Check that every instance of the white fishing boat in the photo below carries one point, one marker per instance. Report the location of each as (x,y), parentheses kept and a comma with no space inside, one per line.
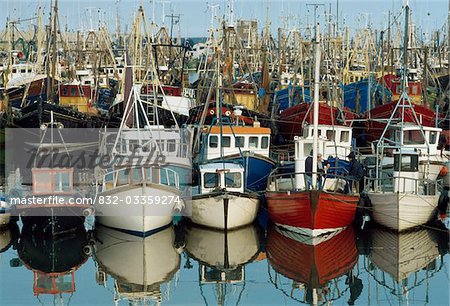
(143,181)
(139,266)
(220,200)
(401,190)
(403,200)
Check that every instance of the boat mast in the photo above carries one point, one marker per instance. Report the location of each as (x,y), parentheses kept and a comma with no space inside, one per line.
(316,105)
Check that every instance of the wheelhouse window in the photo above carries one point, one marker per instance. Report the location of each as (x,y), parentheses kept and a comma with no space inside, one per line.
(253,142)
(171,145)
(409,163)
(345,135)
(239,141)
(264,142)
(226,141)
(412,137)
(331,135)
(213,141)
(210,180)
(433,137)
(133,145)
(233,180)
(62,182)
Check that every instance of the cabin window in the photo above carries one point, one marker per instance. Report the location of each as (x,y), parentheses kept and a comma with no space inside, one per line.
(264,142)
(253,142)
(14,70)
(213,141)
(226,141)
(62,182)
(345,135)
(23,70)
(122,177)
(433,137)
(73,91)
(412,137)
(414,90)
(65,91)
(137,175)
(210,180)
(331,135)
(133,145)
(42,182)
(171,145)
(239,141)
(410,163)
(120,70)
(233,180)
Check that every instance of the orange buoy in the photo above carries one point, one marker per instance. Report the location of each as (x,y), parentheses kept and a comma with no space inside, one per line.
(444,171)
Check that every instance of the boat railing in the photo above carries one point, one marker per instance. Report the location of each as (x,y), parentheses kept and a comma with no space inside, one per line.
(140,175)
(334,180)
(402,184)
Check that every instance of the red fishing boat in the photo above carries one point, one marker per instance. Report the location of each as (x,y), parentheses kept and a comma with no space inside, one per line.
(293,119)
(378,117)
(312,212)
(306,201)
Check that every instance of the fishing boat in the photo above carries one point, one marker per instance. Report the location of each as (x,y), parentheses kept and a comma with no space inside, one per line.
(54,262)
(403,199)
(145,169)
(139,266)
(220,200)
(407,196)
(295,206)
(222,257)
(54,205)
(316,267)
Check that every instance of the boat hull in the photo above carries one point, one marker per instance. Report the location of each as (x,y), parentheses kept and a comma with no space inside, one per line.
(224,210)
(400,211)
(141,219)
(312,212)
(52,220)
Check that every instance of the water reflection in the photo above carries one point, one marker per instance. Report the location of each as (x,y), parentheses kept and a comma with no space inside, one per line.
(8,236)
(221,257)
(313,268)
(53,260)
(138,265)
(401,262)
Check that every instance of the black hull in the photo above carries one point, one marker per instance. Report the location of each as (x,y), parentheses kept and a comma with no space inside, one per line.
(34,115)
(52,221)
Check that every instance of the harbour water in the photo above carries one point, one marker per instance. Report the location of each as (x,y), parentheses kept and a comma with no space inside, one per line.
(189,265)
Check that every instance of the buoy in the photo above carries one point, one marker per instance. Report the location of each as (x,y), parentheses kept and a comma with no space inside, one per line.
(444,171)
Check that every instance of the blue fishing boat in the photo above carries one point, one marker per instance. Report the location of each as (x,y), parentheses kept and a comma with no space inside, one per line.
(356,95)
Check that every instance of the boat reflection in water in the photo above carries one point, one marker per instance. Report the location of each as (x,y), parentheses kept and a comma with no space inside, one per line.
(316,267)
(8,237)
(53,261)
(403,261)
(139,266)
(222,256)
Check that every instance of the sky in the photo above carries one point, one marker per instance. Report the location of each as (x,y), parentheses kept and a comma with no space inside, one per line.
(195,16)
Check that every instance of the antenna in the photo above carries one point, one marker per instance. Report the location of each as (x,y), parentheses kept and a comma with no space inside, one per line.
(230,7)
(213,8)
(163,3)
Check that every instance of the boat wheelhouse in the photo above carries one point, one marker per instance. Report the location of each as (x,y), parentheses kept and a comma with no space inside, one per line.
(247,145)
